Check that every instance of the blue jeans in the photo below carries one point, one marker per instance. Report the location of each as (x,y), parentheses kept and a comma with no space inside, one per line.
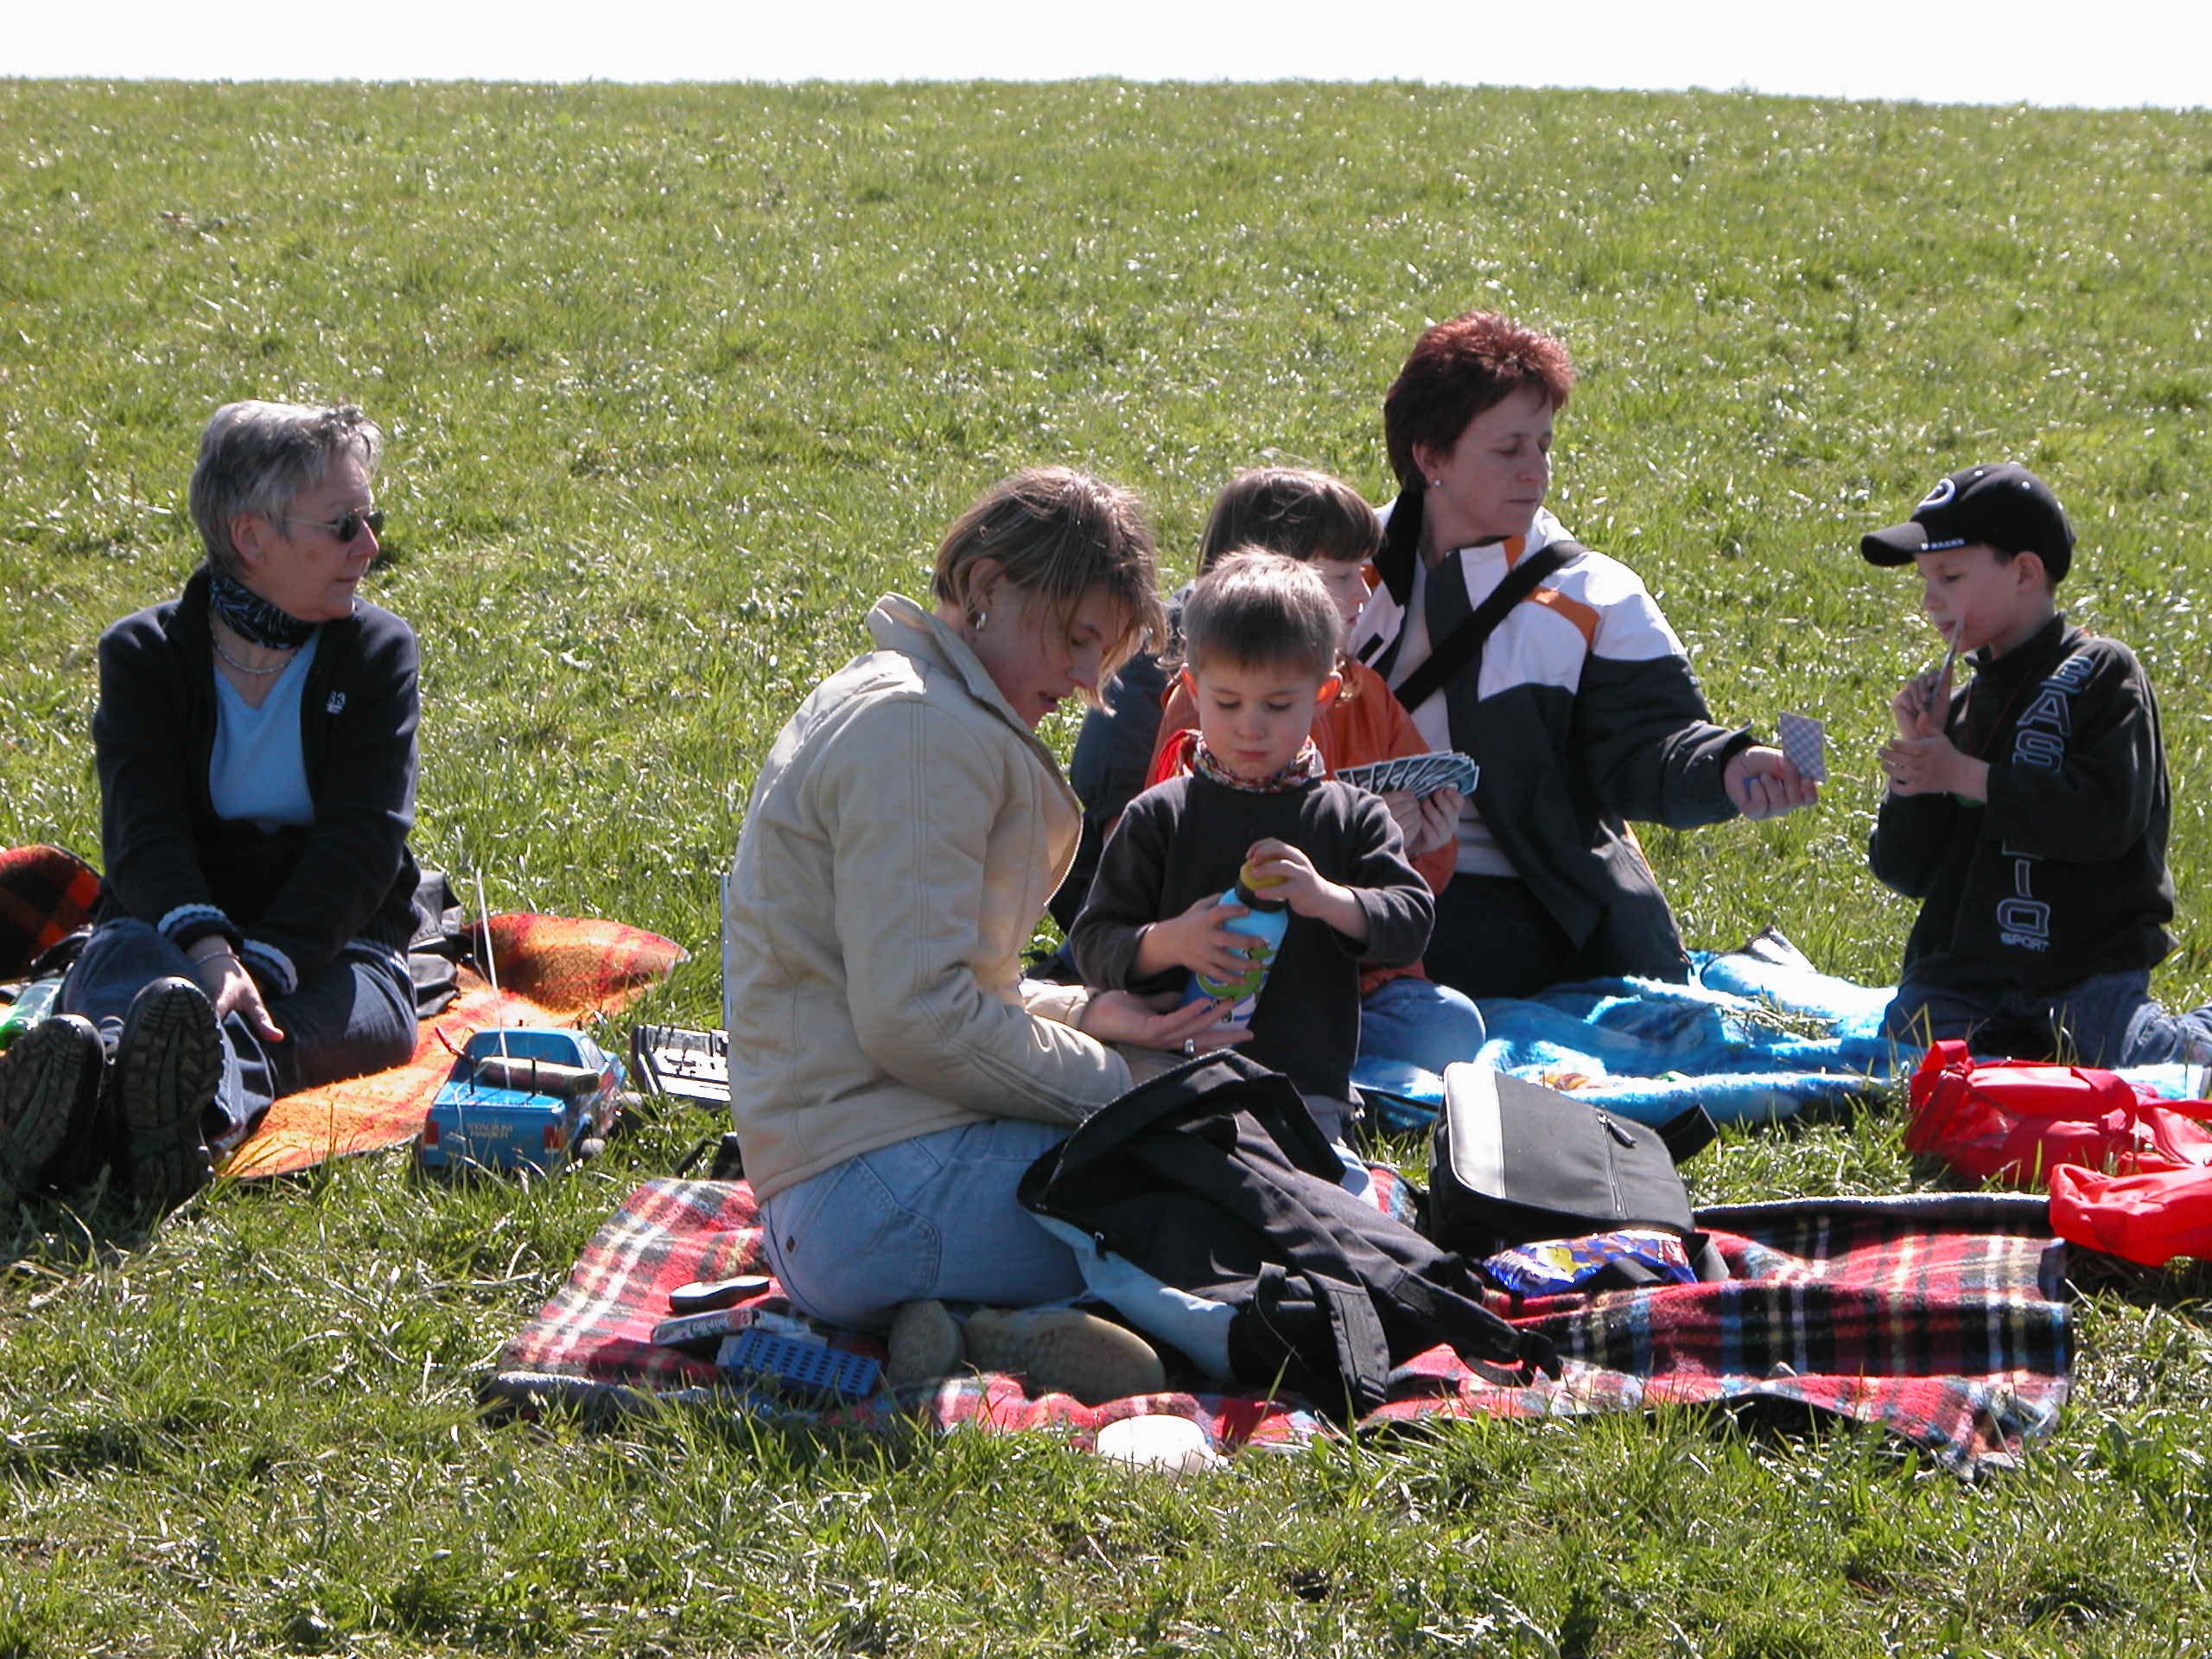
(932,1217)
(2107,1020)
(1420,1022)
(355,1014)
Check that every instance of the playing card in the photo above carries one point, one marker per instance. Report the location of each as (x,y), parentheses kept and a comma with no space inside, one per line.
(1415,774)
(1805,746)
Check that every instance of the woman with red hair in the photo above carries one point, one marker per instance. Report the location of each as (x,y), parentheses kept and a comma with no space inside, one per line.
(1576,699)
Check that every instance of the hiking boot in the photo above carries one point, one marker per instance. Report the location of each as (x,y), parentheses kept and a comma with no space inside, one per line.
(49,1089)
(168,1064)
(1065,1351)
(925,1344)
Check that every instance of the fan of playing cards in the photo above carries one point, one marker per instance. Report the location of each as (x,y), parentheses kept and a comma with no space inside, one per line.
(1416,774)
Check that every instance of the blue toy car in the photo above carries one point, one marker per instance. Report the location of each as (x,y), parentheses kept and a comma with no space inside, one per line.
(522,1098)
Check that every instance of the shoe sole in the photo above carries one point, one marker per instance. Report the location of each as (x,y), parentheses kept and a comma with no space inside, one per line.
(167,1066)
(1064,1351)
(46,1077)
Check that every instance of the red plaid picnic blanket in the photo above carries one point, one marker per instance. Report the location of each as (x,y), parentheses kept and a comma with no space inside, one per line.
(1936,1315)
(45,894)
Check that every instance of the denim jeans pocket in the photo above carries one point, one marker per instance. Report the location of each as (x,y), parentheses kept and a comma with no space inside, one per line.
(850,1249)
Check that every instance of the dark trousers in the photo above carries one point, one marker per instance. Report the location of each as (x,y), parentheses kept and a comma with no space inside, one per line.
(2107,1019)
(1492,939)
(355,1014)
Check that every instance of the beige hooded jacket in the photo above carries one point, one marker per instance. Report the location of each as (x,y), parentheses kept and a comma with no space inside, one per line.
(904,835)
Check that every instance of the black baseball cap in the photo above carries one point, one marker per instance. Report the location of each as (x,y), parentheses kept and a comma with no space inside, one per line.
(2006,505)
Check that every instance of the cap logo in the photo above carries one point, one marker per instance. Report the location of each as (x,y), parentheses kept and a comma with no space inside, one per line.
(1944,490)
(1939,547)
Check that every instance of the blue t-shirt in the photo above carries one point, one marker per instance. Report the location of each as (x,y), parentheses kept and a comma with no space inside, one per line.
(257,771)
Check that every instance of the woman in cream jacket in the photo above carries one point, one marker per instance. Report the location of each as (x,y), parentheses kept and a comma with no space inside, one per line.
(891,1073)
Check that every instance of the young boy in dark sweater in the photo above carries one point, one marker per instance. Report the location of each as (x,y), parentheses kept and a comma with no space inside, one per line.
(1260,637)
(2027,812)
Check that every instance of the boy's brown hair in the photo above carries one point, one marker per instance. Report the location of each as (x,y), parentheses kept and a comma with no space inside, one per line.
(1288,510)
(1257,608)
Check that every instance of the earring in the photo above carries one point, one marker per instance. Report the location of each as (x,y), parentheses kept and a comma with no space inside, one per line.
(978,621)
(1435,483)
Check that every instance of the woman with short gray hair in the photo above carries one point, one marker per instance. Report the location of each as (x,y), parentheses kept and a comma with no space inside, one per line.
(255,740)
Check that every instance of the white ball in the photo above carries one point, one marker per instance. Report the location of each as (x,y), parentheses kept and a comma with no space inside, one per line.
(1175,1445)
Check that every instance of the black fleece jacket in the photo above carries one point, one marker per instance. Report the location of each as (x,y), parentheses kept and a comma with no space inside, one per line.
(1187,838)
(2062,874)
(289,899)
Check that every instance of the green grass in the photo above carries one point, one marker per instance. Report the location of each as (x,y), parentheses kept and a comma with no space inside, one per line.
(677,380)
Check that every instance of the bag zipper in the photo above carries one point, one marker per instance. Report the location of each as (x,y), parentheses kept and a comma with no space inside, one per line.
(1612,1162)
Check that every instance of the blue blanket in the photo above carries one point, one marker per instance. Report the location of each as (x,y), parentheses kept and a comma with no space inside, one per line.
(1755,1034)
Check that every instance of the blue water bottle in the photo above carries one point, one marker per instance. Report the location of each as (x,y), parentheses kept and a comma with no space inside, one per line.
(1265,921)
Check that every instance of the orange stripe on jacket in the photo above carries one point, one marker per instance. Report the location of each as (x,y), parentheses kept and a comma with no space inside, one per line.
(1584,617)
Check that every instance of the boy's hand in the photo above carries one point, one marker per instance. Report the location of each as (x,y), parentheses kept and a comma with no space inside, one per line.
(1425,821)
(1762,784)
(1405,810)
(1196,940)
(1307,891)
(1934,765)
(1921,705)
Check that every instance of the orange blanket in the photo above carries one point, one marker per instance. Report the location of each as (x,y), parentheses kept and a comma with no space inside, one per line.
(554,971)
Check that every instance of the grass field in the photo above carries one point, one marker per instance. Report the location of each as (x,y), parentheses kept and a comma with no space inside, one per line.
(678,379)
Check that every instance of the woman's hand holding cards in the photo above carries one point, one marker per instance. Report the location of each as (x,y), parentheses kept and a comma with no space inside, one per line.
(1762,784)
(1426,822)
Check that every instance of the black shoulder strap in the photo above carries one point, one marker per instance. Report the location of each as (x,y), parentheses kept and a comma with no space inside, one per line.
(1447,658)
(1689,1132)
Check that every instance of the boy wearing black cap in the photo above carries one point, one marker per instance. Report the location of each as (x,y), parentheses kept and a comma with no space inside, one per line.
(2028,811)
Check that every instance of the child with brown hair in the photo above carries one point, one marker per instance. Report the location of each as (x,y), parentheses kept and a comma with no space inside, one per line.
(1123,746)
(1324,524)
(1261,642)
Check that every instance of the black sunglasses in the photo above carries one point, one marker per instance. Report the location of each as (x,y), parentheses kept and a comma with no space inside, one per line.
(348,526)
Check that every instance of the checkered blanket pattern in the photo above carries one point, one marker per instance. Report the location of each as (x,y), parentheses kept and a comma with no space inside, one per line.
(46,892)
(1934,1316)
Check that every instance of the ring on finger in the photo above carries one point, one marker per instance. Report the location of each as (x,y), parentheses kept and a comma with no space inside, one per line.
(1190,1046)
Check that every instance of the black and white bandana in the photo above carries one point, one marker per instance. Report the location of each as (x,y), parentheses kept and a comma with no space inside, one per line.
(252,618)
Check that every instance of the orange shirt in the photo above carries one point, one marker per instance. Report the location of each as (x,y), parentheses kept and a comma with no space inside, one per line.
(1365,723)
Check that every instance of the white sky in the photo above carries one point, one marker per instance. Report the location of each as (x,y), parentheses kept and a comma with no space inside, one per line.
(2119,54)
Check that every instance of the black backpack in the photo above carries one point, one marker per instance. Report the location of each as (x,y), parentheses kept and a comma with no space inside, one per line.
(1213,1182)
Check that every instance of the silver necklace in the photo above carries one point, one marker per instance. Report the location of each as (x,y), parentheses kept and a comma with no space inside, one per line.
(215,641)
